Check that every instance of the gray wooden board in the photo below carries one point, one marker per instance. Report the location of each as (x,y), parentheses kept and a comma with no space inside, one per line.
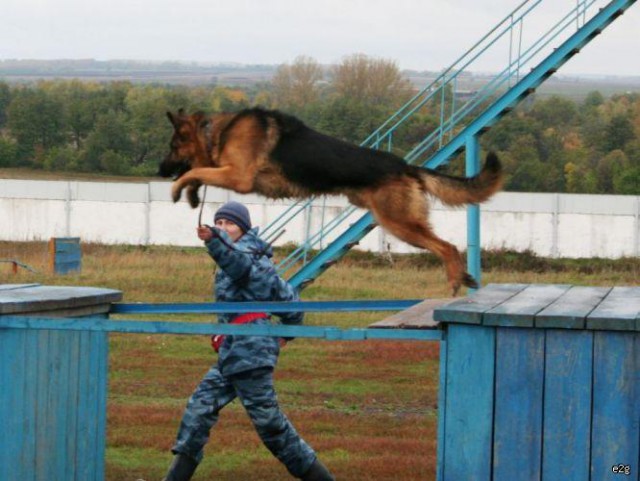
(419,316)
(617,312)
(470,310)
(9,287)
(82,311)
(520,310)
(571,309)
(45,298)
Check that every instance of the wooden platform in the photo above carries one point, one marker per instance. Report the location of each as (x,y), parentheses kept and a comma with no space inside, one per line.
(53,416)
(55,301)
(540,381)
(419,316)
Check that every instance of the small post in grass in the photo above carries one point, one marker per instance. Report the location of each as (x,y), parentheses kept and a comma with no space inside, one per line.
(65,255)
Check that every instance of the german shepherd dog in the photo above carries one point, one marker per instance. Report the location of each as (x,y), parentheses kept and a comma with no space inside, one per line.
(278,156)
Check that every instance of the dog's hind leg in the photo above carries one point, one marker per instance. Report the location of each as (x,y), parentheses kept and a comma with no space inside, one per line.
(401,208)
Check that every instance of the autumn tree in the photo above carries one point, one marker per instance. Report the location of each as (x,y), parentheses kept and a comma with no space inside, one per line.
(372,81)
(296,86)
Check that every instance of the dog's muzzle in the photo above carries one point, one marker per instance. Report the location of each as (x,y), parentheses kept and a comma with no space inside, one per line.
(173,169)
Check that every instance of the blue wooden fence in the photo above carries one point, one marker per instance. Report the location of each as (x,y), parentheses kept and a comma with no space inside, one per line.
(538,382)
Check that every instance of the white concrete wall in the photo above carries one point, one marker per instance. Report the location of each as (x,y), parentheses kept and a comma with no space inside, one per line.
(555,225)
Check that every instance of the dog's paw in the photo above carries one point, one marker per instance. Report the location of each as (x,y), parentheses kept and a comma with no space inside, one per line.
(465,280)
(194,198)
(469,281)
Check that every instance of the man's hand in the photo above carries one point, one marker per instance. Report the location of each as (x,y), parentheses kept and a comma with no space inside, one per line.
(204,233)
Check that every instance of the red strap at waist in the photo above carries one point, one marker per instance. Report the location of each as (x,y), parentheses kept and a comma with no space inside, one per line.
(218,339)
(248,317)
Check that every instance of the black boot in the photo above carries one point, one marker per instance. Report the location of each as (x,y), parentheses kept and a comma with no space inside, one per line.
(317,472)
(182,468)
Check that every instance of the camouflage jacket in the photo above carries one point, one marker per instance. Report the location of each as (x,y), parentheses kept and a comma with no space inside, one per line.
(246,273)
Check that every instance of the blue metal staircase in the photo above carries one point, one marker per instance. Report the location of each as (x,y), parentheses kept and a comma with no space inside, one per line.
(461,122)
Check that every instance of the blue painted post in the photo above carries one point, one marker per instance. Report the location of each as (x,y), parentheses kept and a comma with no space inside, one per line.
(473,212)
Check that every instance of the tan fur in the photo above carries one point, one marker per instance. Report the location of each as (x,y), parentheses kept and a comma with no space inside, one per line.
(239,160)
(437,186)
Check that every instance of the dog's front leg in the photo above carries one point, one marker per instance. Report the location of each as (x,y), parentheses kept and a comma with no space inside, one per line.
(226,177)
(192,194)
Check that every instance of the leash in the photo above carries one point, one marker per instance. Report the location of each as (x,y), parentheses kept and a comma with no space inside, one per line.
(204,196)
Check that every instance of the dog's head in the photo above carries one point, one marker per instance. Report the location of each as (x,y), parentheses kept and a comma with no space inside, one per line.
(187,147)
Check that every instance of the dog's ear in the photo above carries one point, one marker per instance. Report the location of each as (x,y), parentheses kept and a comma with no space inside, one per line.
(172,119)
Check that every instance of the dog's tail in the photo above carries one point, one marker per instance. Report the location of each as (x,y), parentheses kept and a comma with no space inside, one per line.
(456,191)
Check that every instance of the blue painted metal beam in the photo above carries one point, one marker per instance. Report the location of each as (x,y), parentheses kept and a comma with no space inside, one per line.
(98,324)
(333,251)
(241,307)
(473,212)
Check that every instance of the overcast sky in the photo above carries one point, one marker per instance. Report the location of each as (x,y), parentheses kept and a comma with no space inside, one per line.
(417,34)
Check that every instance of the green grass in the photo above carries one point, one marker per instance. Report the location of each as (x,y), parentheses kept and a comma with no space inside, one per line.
(369,407)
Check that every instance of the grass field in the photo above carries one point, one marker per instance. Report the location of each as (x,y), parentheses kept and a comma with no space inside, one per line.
(369,408)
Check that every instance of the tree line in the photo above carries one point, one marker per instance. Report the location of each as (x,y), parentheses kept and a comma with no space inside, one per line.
(548,145)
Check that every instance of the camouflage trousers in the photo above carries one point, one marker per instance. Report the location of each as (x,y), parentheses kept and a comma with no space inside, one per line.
(256,392)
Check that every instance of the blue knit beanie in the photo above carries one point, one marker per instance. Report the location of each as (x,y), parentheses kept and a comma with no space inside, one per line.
(235,212)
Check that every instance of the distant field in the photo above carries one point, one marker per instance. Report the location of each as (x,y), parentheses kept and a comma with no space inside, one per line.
(246,76)
(369,408)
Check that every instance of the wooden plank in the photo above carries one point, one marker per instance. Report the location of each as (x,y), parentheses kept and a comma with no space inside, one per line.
(618,311)
(102,342)
(520,310)
(61,342)
(468,423)
(66,267)
(567,405)
(571,309)
(41,298)
(10,287)
(91,417)
(68,246)
(616,404)
(43,445)
(30,422)
(72,412)
(518,408)
(84,432)
(419,316)
(6,379)
(12,402)
(82,311)
(470,310)
(96,324)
